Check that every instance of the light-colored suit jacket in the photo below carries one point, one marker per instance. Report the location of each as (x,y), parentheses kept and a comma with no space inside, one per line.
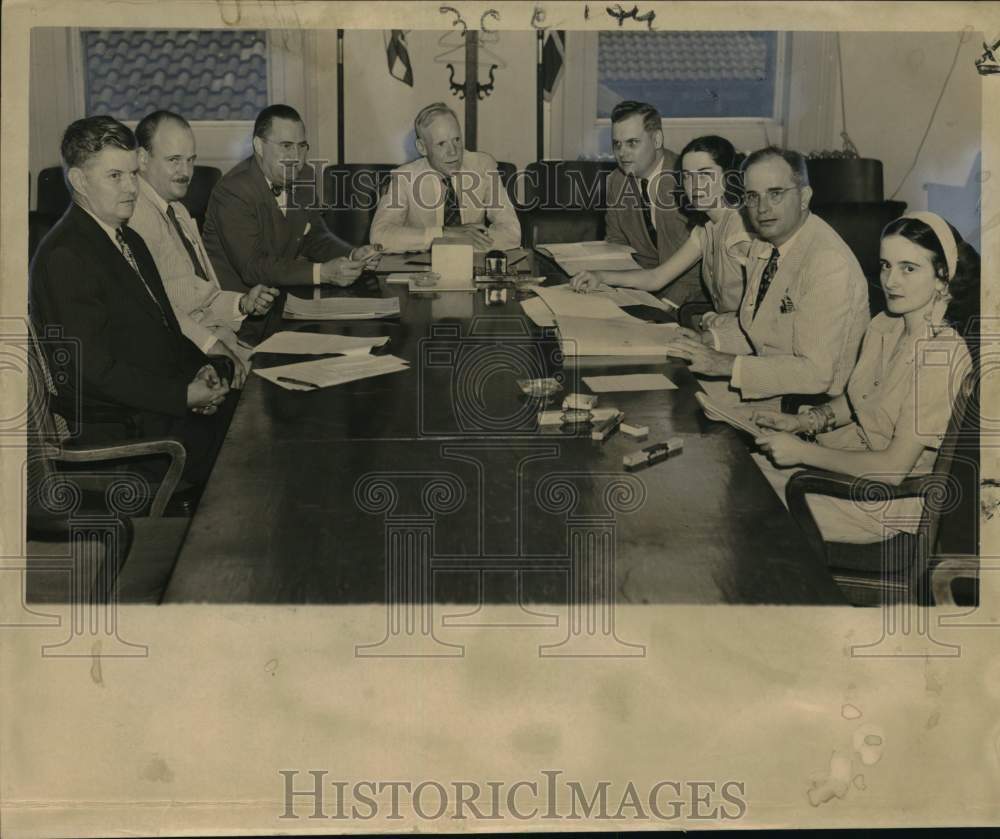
(805,337)
(204,311)
(410,213)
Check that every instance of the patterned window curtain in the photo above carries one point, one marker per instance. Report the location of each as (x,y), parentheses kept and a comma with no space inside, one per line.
(200,74)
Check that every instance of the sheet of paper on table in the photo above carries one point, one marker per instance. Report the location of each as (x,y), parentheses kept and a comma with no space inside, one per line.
(628,382)
(624,336)
(730,417)
(326,372)
(340,308)
(540,314)
(564,302)
(574,257)
(315,343)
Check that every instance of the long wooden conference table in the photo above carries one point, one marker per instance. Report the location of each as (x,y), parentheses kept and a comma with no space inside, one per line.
(437,484)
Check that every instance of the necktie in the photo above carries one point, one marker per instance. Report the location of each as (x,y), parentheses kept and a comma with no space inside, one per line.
(452,213)
(765,279)
(191,252)
(130,258)
(647,212)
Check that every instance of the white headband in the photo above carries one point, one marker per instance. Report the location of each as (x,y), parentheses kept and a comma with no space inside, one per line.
(944,235)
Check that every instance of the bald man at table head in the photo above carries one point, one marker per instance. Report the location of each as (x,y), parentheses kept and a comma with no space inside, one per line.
(450,193)
(254,231)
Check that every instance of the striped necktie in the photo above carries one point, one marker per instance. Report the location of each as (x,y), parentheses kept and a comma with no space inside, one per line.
(765,279)
(130,259)
(452,212)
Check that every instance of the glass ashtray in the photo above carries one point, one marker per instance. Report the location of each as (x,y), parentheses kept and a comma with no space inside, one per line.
(425,279)
(539,387)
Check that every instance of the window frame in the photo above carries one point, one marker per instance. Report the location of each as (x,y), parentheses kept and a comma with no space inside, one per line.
(575,127)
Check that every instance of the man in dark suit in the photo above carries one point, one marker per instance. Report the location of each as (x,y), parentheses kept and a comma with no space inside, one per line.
(642,196)
(256,232)
(94,278)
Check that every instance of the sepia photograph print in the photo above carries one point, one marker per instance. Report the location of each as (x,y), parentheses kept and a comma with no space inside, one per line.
(498,417)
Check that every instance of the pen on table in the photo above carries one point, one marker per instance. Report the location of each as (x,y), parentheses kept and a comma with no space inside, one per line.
(292,381)
(521,258)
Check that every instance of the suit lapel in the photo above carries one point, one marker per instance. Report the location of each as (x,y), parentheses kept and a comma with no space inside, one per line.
(789,269)
(125,278)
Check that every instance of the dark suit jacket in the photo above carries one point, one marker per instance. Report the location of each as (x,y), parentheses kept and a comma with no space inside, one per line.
(624,224)
(249,240)
(127,362)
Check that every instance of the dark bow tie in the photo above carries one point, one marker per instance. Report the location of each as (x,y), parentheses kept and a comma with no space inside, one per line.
(276,190)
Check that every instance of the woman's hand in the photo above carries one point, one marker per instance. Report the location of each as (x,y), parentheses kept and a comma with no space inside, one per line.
(587,281)
(783,449)
(777,421)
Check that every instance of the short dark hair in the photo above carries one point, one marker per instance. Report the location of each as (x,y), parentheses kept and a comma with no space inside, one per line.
(90,136)
(651,119)
(262,125)
(725,156)
(147,126)
(795,160)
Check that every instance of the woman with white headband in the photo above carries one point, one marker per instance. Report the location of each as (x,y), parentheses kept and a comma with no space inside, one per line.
(898,402)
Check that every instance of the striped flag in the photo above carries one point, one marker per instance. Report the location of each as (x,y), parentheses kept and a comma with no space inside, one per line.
(553,58)
(399,57)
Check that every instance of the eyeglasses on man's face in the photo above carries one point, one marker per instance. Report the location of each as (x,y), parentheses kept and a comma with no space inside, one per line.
(775,195)
(288,147)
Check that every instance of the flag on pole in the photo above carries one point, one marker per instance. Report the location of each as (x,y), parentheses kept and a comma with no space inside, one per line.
(553,58)
(399,57)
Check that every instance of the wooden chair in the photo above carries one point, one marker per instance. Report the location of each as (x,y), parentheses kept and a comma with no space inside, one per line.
(899,568)
(83,533)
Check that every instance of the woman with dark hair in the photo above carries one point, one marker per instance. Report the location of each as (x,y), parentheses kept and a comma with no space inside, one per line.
(898,403)
(712,195)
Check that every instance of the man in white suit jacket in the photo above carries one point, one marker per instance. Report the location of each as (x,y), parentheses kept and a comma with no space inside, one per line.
(449,193)
(805,306)
(207,315)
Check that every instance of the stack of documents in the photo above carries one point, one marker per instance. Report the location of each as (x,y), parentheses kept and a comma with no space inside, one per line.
(624,336)
(574,257)
(730,417)
(340,308)
(325,372)
(315,343)
(592,324)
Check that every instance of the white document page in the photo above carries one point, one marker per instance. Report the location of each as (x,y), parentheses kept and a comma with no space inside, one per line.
(326,372)
(628,382)
(312,343)
(340,308)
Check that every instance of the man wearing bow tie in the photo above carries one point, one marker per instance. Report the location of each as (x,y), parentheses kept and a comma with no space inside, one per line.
(643,196)
(94,279)
(207,315)
(449,193)
(256,230)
